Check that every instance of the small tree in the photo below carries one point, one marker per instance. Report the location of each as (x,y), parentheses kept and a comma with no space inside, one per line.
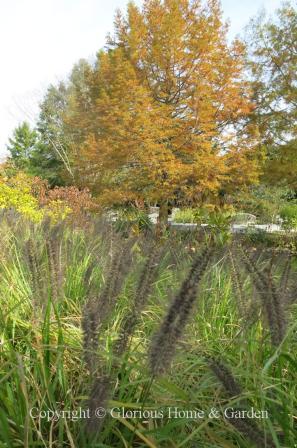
(21,145)
(50,156)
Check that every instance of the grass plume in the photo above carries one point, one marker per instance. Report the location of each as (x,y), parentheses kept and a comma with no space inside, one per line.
(270,298)
(247,428)
(164,342)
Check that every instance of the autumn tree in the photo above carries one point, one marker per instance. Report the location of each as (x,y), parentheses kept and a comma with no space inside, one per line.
(167,117)
(273,48)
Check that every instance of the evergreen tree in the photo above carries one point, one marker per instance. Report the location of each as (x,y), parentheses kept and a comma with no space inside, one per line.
(50,156)
(21,146)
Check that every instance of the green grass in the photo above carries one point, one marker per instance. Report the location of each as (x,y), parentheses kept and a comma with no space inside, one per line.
(42,364)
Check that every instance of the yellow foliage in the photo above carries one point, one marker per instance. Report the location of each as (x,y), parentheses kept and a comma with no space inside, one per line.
(57,210)
(16,193)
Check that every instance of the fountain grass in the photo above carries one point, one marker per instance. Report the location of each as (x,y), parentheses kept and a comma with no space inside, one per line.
(43,364)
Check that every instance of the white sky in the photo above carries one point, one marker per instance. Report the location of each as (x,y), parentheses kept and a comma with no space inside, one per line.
(40,40)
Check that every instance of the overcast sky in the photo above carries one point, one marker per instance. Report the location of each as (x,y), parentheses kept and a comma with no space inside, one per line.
(40,40)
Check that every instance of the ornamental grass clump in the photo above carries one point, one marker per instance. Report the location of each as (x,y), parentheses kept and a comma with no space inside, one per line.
(35,272)
(238,284)
(245,426)
(224,374)
(142,292)
(102,384)
(98,307)
(99,395)
(287,283)
(248,304)
(44,258)
(96,313)
(56,263)
(270,295)
(164,342)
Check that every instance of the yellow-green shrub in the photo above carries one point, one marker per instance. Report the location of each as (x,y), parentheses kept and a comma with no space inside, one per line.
(16,193)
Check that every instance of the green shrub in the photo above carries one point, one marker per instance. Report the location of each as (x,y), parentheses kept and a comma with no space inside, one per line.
(133,218)
(262,201)
(186,215)
(289,215)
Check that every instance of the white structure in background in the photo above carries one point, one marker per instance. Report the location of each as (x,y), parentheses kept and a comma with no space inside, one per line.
(268,228)
(154,213)
(241,222)
(244,218)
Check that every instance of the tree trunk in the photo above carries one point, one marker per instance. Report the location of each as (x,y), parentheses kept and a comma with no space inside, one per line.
(163,214)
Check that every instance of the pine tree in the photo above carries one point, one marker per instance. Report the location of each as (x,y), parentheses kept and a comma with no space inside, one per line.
(21,145)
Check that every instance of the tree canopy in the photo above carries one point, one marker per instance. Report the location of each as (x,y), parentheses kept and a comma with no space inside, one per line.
(169,112)
(168,105)
(273,47)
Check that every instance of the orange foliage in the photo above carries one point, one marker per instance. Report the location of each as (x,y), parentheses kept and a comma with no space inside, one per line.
(168,109)
(78,201)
